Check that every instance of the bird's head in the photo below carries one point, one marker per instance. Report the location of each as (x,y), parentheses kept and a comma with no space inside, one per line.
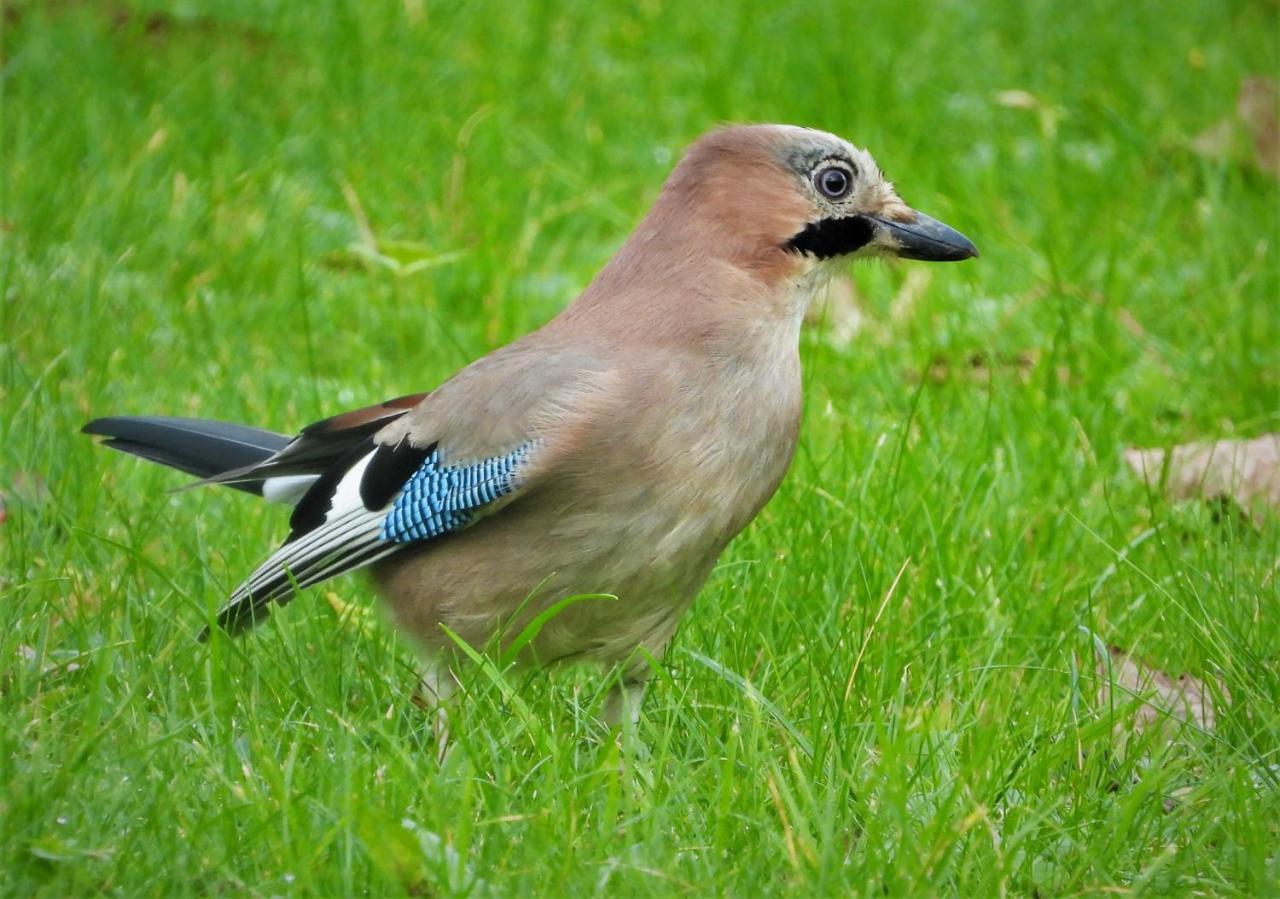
(855,210)
(781,198)
(761,213)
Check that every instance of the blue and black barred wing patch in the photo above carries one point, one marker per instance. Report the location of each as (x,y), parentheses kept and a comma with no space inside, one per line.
(439,499)
(372,504)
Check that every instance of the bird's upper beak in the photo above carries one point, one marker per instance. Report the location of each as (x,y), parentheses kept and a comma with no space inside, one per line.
(922,238)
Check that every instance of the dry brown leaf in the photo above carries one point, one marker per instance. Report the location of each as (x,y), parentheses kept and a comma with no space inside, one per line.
(1216,141)
(1252,135)
(1256,106)
(350,614)
(980,367)
(1248,471)
(1017,99)
(24,489)
(1048,114)
(1184,698)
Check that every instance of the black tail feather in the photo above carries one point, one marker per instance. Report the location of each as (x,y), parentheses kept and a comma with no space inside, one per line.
(198,447)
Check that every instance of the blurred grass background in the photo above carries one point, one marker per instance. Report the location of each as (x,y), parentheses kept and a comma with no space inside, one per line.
(267,212)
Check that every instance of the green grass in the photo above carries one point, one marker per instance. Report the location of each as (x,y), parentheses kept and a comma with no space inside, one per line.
(178,188)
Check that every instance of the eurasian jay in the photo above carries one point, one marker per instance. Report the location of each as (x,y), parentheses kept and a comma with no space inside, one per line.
(616,450)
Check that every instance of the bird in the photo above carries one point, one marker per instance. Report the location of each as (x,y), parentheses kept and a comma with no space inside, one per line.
(613,452)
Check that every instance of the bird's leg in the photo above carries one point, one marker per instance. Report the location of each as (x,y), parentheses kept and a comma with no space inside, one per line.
(622,705)
(622,713)
(437,686)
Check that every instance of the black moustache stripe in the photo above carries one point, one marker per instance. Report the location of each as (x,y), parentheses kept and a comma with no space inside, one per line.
(833,237)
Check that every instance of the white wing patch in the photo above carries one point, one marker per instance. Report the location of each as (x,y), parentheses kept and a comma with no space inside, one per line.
(287,488)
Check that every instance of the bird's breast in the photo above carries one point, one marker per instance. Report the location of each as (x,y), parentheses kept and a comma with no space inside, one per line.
(715,440)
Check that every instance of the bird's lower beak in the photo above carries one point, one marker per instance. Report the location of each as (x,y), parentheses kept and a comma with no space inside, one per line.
(923,238)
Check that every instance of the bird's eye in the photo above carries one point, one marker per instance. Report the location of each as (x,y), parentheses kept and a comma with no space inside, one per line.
(833,181)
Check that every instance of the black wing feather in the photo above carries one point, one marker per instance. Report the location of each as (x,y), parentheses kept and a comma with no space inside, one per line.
(388,470)
(198,447)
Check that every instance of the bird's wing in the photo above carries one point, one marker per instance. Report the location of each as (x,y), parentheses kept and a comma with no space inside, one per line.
(378,500)
(473,446)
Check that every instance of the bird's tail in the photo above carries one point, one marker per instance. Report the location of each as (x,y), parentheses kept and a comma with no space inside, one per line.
(202,448)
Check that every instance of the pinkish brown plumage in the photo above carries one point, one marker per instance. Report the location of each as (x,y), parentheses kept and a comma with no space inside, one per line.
(617,450)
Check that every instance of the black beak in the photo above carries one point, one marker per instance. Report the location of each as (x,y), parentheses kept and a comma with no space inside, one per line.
(923,238)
